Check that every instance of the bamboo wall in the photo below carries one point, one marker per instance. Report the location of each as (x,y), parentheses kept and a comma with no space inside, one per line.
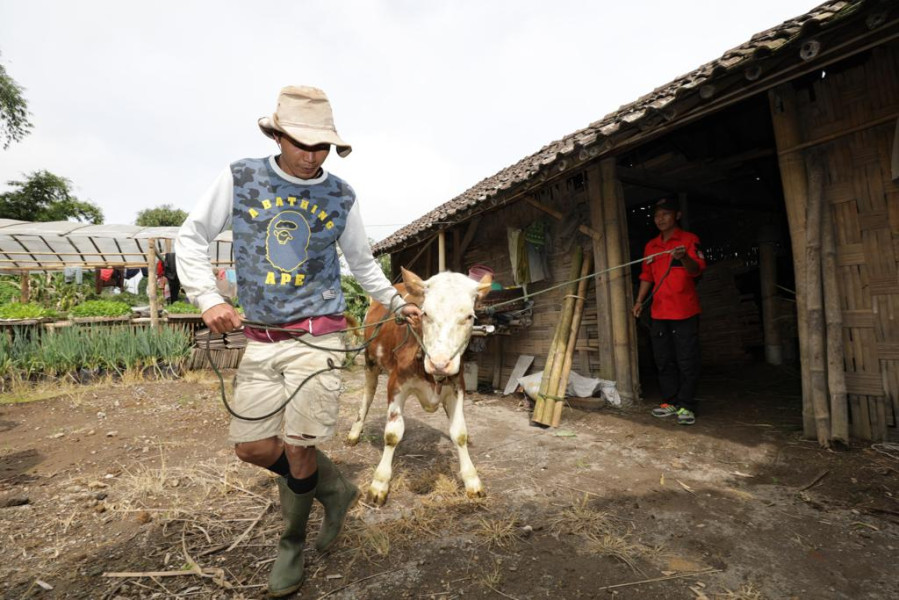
(490,247)
(848,119)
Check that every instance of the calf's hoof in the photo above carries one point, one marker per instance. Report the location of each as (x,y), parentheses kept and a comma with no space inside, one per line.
(377,494)
(352,440)
(474,489)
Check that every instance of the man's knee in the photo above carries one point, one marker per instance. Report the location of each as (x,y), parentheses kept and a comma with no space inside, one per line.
(262,452)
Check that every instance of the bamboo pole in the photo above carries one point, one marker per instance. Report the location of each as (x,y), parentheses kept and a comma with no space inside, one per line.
(836,375)
(814,300)
(785,121)
(543,410)
(562,386)
(620,312)
(152,292)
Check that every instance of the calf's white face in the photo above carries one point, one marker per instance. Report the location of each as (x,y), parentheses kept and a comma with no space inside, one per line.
(447,305)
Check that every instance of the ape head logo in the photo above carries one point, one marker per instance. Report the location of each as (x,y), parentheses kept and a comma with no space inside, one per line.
(282,231)
(287,240)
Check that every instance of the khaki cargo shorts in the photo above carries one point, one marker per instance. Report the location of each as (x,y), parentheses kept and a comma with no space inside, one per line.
(269,373)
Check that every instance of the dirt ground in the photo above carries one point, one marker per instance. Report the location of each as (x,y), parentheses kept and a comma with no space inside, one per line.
(130,491)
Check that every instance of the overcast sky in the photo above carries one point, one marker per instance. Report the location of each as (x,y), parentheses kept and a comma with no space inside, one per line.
(143,104)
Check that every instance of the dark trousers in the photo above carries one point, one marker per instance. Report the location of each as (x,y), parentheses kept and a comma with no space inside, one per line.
(675,346)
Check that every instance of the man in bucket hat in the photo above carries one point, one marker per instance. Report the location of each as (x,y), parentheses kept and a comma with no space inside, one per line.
(289,215)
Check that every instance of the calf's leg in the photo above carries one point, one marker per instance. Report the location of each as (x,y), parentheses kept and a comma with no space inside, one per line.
(368,394)
(459,434)
(393,434)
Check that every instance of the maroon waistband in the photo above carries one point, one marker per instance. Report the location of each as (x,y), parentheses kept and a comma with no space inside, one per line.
(314,326)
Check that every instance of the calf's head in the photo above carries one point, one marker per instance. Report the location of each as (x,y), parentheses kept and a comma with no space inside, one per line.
(447,303)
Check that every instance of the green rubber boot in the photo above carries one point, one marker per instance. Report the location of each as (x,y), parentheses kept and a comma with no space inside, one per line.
(338,495)
(287,573)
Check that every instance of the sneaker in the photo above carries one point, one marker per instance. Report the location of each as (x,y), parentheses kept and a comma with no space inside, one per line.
(664,410)
(685,416)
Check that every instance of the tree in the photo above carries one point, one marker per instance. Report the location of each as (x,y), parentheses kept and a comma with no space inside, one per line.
(14,123)
(44,196)
(161,216)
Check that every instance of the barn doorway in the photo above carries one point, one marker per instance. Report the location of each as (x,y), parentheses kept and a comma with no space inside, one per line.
(724,170)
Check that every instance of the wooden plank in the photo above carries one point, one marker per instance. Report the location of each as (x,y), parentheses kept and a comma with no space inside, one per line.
(839,192)
(874,220)
(858,319)
(521,367)
(864,384)
(888,351)
(850,254)
(883,286)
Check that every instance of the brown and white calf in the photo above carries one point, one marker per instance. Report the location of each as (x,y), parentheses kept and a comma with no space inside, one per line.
(430,370)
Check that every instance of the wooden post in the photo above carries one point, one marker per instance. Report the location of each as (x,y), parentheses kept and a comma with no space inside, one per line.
(836,375)
(627,275)
(815,300)
(785,120)
(603,322)
(620,312)
(25,291)
(497,361)
(151,283)
(441,251)
(768,277)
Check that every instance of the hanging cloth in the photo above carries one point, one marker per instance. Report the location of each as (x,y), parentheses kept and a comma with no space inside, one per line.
(518,255)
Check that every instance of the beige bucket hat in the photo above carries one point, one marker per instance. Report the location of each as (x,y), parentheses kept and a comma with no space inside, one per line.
(304,114)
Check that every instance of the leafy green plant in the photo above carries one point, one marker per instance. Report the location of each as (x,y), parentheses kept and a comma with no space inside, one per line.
(9,291)
(182,308)
(28,310)
(131,299)
(355,296)
(68,352)
(101,308)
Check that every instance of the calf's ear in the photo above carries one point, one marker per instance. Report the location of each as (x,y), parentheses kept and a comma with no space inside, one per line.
(414,285)
(484,285)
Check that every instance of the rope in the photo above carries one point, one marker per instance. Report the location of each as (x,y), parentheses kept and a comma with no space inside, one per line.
(297,335)
(491,308)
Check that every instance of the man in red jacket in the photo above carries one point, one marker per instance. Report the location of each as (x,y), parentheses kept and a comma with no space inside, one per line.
(675,310)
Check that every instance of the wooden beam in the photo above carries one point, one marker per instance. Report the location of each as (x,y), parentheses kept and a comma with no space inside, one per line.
(459,251)
(600,260)
(441,251)
(613,201)
(418,254)
(787,134)
(589,232)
